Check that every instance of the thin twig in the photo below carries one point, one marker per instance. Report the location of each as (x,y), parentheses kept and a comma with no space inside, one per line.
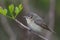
(22,24)
(30,29)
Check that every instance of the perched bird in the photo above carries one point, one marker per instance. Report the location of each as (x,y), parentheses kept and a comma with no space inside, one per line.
(36,23)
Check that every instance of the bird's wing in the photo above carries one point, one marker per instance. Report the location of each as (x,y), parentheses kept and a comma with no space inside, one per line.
(42,24)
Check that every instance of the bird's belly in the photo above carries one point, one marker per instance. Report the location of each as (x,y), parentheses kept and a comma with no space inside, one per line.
(35,27)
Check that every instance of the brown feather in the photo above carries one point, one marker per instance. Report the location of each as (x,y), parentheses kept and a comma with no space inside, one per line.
(43,25)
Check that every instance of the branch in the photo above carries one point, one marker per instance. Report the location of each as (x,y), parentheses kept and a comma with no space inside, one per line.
(30,30)
(22,24)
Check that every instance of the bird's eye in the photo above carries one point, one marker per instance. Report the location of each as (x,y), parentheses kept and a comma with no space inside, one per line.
(31,17)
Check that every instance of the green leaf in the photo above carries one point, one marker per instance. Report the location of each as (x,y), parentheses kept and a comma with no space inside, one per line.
(17,11)
(4,12)
(20,7)
(11,8)
(1,10)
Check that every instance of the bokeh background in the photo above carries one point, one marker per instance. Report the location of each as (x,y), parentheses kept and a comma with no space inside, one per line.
(10,30)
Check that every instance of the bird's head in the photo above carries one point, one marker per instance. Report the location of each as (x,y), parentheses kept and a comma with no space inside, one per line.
(33,17)
(29,18)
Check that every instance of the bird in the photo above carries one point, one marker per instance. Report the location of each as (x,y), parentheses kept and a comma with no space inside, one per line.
(36,23)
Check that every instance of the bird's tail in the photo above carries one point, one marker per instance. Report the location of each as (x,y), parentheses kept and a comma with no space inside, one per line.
(47,28)
(52,31)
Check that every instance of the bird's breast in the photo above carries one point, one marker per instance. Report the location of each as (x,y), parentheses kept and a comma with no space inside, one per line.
(34,27)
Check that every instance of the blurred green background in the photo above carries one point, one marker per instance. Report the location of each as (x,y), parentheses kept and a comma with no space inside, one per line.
(42,5)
